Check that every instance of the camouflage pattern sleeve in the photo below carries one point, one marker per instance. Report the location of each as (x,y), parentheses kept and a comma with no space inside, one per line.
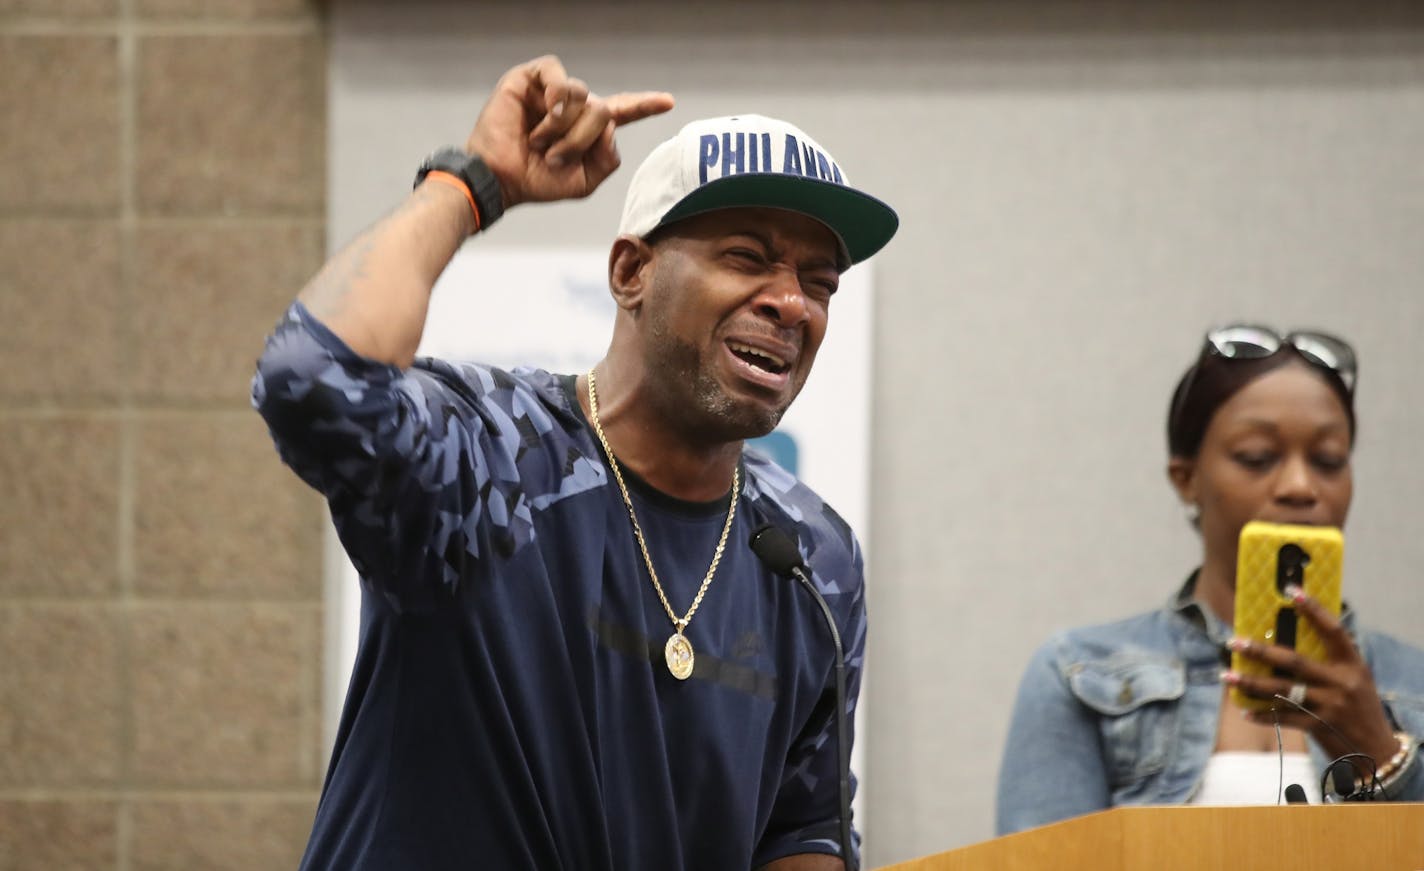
(402,457)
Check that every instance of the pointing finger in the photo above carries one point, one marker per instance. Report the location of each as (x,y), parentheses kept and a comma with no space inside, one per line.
(630,106)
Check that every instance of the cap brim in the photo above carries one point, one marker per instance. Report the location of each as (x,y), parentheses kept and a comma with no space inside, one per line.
(863,223)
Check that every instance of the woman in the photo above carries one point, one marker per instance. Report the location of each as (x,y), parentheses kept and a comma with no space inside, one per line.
(1136,712)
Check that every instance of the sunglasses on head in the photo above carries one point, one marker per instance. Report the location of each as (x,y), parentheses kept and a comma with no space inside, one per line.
(1254,342)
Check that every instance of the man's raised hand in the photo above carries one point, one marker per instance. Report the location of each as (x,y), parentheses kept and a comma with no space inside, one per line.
(547,137)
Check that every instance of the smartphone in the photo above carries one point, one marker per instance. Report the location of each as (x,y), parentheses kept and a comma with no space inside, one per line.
(1271,557)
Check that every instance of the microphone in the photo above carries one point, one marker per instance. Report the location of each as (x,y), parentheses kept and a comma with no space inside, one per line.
(1341,775)
(1295,794)
(777,551)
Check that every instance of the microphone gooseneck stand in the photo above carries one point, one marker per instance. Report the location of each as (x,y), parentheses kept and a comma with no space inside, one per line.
(777,550)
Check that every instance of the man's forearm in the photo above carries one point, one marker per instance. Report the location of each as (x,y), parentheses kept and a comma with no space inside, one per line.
(375,292)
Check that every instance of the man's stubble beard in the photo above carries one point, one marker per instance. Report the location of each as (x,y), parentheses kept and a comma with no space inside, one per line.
(690,397)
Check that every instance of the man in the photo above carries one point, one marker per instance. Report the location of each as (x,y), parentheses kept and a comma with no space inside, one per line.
(569,657)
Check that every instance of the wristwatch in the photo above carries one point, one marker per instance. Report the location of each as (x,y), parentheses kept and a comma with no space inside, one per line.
(478,177)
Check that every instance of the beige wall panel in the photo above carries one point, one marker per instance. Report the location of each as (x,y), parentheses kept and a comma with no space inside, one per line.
(206,296)
(61,311)
(224,10)
(218,515)
(230,125)
(220,835)
(59,99)
(221,696)
(53,835)
(60,696)
(60,511)
(58,9)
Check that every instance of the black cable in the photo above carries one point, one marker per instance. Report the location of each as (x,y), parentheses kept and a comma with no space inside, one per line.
(1370,775)
(842,746)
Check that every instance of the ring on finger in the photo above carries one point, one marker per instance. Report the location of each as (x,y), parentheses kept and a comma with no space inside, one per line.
(1296,696)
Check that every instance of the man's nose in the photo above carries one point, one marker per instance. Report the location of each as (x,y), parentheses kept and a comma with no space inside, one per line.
(781,298)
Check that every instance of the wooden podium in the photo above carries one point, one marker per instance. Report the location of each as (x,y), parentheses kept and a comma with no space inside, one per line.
(1341,837)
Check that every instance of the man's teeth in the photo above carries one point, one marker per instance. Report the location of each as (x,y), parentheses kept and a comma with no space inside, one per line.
(757,352)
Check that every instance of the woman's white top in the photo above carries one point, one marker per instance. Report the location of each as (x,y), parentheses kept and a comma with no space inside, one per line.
(1255,777)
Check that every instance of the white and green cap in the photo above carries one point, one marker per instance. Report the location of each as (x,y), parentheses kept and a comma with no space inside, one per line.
(748,161)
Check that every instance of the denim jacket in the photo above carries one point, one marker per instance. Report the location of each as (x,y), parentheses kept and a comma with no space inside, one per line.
(1126,713)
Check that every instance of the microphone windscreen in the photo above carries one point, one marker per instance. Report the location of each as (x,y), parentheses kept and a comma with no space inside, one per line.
(1342,778)
(775,548)
(1295,794)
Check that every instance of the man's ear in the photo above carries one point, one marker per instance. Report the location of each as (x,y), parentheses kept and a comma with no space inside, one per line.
(629,267)
(1182,472)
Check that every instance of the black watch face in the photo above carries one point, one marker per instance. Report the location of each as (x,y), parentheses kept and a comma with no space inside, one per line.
(474,173)
(449,160)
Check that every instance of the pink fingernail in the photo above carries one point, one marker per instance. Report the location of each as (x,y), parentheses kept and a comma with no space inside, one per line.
(1295,593)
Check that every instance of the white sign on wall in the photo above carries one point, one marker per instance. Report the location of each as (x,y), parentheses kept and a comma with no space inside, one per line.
(551,308)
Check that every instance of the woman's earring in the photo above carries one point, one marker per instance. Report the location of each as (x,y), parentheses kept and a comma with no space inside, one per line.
(1192,511)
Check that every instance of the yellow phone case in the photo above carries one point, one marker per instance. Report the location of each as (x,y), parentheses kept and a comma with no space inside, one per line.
(1270,556)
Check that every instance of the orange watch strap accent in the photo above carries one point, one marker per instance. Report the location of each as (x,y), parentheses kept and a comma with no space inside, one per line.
(454,181)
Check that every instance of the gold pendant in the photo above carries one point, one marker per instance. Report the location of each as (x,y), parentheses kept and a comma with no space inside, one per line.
(678,654)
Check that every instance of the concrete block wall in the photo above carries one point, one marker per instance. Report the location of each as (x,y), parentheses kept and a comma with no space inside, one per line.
(161,198)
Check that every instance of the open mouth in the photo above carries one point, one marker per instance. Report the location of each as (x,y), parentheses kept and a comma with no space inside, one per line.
(759,359)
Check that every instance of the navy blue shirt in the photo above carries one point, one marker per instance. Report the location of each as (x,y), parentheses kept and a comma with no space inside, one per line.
(510,706)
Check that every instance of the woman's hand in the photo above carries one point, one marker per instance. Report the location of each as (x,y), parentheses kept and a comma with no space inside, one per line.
(1340,691)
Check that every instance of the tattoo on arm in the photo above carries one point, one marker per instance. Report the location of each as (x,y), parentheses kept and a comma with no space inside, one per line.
(402,235)
(326,293)
(374,293)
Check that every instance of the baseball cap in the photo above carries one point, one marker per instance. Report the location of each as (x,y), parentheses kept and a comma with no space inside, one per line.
(752,160)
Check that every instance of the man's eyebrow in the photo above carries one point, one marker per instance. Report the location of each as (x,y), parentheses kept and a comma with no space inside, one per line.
(758,235)
(769,244)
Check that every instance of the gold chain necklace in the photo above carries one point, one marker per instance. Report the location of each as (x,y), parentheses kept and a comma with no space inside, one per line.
(678,650)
